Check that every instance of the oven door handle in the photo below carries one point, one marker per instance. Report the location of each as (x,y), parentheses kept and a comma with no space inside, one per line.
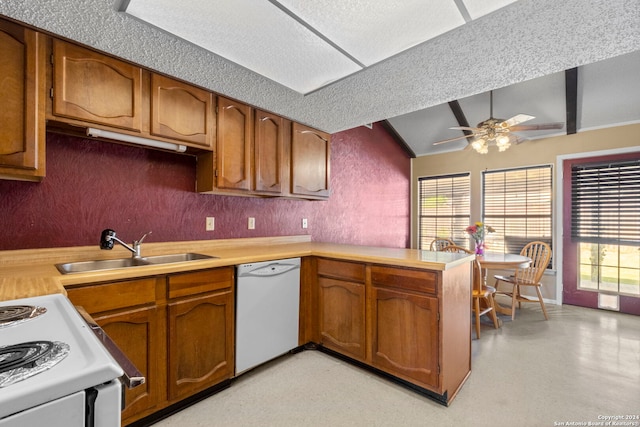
(132,376)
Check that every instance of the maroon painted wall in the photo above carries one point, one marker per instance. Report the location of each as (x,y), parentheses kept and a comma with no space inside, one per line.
(94,185)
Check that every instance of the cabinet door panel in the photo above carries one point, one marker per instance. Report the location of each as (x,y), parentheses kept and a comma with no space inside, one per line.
(200,343)
(342,316)
(405,335)
(134,332)
(234,145)
(21,87)
(92,87)
(181,111)
(268,152)
(309,162)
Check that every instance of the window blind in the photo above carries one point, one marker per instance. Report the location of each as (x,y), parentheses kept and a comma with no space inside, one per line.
(444,209)
(605,203)
(517,203)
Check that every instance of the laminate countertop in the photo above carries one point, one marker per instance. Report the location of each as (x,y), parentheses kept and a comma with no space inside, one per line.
(32,272)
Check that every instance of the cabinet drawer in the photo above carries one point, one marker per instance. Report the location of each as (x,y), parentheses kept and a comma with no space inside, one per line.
(341,269)
(112,296)
(181,285)
(407,279)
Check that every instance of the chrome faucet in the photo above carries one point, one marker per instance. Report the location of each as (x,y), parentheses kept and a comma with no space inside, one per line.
(108,237)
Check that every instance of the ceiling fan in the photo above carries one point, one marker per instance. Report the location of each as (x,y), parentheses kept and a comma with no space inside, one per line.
(498,131)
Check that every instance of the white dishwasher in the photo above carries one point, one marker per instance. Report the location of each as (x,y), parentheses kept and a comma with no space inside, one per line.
(267,311)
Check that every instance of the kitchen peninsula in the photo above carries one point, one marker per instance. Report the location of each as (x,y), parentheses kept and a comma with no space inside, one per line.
(403,313)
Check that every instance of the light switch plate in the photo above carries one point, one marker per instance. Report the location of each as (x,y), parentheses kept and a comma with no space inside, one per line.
(211,224)
(252,223)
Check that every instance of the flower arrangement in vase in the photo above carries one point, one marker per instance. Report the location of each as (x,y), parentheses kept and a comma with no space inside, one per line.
(477,232)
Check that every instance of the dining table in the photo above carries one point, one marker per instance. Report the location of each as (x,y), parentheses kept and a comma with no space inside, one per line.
(501,261)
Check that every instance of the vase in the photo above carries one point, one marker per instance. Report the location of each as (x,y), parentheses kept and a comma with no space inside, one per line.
(479,247)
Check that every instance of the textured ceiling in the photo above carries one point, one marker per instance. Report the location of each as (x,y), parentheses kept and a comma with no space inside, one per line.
(306,45)
(522,41)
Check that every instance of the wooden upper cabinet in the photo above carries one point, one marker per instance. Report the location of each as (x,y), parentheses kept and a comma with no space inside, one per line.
(310,153)
(268,152)
(233,154)
(182,112)
(91,87)
(22,122)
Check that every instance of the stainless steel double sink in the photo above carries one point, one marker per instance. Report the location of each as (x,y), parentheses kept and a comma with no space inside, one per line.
(110,264)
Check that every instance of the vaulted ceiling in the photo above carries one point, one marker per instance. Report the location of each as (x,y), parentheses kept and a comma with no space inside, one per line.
(593,96)
(418,65)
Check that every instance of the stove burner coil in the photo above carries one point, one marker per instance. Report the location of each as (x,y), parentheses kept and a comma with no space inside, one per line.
(21,361)
(13,314)
(24,355)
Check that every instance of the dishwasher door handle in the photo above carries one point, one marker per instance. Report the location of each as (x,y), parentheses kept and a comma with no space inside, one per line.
(270,270)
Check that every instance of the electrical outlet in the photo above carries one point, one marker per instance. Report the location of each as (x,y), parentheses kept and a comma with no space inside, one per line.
(252,223)
(305,224)
(211,224)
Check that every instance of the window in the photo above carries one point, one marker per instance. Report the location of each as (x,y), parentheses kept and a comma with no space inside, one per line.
(517,204)
(444,209)
(605,221)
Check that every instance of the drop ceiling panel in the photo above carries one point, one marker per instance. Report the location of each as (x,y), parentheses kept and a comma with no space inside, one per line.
(373,31)
(254,34)
(306,45)
(478,8)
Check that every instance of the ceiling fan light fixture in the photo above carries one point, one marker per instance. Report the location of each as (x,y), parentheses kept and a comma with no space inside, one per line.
(503,142)
(478,143)
(504,147)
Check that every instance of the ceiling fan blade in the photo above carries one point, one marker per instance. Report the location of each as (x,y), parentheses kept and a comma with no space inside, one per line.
(520,118)
(541,126)
(466,128)
(517,139)
(452,139)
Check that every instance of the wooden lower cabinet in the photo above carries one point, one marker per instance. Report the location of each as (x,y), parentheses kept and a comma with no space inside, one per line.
(341,297)
(342,316)
(135,332)
(128,312)
(200,345)
(177,330)
(404,331)
(413,324)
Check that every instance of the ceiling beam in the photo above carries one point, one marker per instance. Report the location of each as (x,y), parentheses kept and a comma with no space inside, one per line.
(396,136)
(460,117)
(571,96)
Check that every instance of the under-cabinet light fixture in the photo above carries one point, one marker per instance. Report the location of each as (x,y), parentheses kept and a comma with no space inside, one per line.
(99,133)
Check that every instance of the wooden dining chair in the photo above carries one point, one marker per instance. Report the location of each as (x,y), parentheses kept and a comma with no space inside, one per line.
(540,254)
(440,242)
(479,292)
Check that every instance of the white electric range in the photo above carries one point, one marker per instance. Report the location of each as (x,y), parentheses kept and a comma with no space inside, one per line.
(76,381)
